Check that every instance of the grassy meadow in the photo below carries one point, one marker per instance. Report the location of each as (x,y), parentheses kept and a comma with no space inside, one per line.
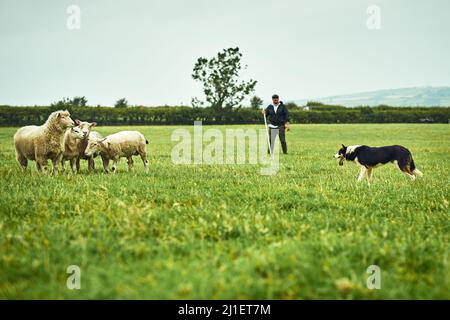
(226,231)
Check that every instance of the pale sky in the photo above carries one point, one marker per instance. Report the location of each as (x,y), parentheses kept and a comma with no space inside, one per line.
(145,50)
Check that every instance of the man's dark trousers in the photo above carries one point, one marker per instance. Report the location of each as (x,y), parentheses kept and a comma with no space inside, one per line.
(281,134)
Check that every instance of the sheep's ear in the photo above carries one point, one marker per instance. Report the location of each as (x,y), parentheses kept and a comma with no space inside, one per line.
(77,122)
(102,142)
(93,124)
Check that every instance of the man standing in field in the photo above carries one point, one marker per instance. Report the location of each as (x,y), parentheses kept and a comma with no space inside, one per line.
(279,119)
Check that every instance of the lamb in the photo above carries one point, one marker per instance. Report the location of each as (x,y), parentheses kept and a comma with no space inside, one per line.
(121,144)
(75,143)
(44,142)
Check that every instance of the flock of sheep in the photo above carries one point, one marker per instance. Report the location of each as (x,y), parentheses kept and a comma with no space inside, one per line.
(61,139)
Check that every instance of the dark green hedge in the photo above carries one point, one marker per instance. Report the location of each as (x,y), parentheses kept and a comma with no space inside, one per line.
(19,116)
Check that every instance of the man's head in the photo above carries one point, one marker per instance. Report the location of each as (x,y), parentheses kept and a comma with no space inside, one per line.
(275,99)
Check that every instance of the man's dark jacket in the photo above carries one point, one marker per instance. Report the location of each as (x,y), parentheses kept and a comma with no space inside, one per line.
(280,118)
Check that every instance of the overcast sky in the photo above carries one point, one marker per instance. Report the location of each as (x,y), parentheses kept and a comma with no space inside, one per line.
(145,50)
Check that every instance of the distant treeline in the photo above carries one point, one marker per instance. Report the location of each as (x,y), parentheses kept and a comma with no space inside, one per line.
(312,113)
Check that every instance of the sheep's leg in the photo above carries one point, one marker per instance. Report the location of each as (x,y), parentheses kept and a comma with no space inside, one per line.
(115,163)
(144,160)
(130,163)
(63,165)
(73,165)
(55,166)
(39,162)
(56,162)
(91,164)
(22,161)
(78,164)
(105,164)
(42,165)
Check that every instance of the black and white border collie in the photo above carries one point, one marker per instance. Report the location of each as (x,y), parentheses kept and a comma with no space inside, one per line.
(370,157)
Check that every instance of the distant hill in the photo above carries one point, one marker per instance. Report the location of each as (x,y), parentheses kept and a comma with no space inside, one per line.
(404,97)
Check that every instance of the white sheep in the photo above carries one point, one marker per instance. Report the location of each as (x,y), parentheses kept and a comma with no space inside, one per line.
(121,144)
(75,143)
(44,142)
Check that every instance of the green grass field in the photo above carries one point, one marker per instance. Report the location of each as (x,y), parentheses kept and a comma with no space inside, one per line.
(225,231)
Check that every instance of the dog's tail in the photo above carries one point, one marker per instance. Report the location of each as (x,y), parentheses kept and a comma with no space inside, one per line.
(414,170)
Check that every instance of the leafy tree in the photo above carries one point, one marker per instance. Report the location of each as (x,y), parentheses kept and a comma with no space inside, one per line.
(291,105)
(68,103)
(256,102)
(197,103)
(63,103)
(314,104)
(79,101)
(121,103)
(220,78)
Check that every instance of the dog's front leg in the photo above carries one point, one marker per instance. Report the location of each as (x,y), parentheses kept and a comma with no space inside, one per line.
(369,175)
(362,173)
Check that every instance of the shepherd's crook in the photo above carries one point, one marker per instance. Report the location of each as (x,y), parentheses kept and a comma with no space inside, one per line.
(267,132)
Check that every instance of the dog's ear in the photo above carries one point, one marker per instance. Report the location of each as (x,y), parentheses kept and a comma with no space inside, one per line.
(344,146)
